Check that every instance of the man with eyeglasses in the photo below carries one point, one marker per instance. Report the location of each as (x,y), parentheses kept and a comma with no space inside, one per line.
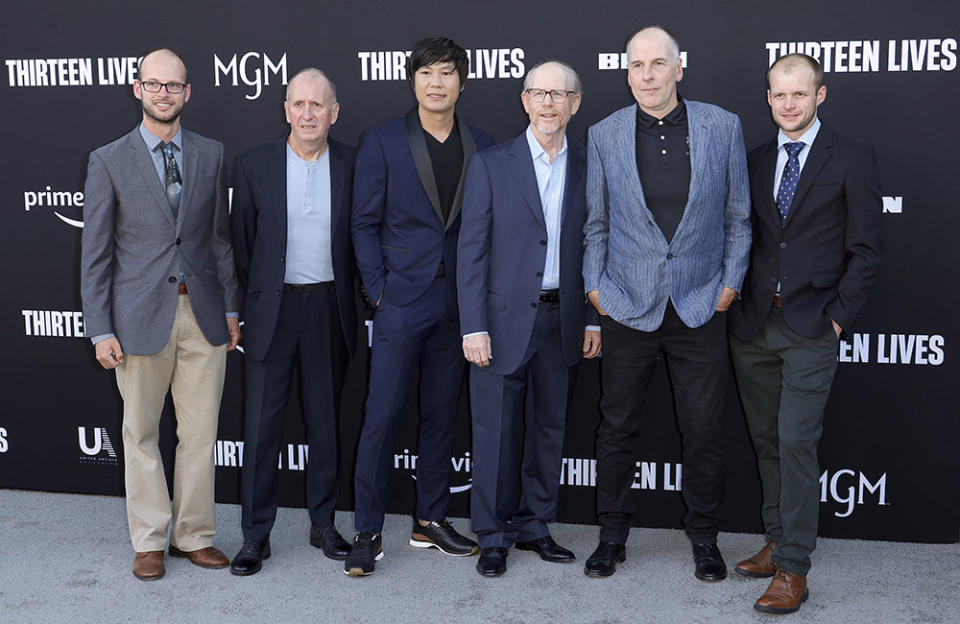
(524,317)
(160,302)
(667,240)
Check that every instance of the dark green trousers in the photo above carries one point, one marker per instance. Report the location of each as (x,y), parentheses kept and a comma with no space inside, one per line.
(784,381)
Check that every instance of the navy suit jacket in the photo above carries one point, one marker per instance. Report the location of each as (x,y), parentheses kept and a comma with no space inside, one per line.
(259,223)
(503,248)
(399,234)
(827,253)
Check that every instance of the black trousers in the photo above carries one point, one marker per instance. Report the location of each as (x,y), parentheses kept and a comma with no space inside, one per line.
(698,365)
(308,334)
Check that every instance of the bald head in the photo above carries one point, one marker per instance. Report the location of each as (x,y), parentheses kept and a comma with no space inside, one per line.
(162,56)
(656,35)
(312,74)
(571,79)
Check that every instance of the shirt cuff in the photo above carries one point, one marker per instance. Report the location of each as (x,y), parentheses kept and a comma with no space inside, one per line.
(233,315)
(595,328)
(100,338)
(481,333)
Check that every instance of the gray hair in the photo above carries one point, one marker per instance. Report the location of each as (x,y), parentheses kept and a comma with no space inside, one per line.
(572,76)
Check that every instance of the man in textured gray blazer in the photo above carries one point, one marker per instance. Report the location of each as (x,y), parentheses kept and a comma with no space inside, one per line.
(665,251)
(160,301)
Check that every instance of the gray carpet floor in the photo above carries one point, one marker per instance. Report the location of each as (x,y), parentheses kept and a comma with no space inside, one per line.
(67,558)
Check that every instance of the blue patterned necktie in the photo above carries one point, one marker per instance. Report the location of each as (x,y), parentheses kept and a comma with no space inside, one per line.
(171,178)
(789,179)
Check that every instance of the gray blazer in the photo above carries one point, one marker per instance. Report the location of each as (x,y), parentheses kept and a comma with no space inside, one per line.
(627,258)
(133,249)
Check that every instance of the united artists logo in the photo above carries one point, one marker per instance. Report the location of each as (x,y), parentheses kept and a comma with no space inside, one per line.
(97,447)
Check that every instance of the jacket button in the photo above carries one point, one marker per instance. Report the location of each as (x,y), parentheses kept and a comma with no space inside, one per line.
(533,305)
(283,259)
(172,279)
(178,241)
(544,243)
(783,245)
(669,256)
(539,273)
(277,292)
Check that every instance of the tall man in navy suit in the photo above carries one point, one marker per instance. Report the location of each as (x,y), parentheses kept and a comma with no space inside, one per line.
(291,237)
(667,239)
(523,315)
(406,218)
(816,210)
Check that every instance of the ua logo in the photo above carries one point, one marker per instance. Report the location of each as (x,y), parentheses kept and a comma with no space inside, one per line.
(101,442)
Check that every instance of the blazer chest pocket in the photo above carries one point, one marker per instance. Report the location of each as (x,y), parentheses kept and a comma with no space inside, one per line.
(826,280)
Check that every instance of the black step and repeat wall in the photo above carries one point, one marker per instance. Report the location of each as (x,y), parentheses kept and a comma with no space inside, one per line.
(889,454)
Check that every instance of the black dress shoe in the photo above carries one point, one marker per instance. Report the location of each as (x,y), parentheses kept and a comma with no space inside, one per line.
(709,563)
(250,558)
(492,562)
(329,540)
(604,560)
(548,550)
(441,535)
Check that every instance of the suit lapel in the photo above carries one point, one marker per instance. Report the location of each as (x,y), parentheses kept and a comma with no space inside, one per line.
(627,148)
(336,188)
(699,139)
(574,167)
(144,163)
(768,165)
(526,176)
(421,159)
(188,176)
(469,149)
(816,159)
(278,169)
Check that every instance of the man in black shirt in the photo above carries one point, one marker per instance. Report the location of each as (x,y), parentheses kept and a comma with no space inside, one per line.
(406,219)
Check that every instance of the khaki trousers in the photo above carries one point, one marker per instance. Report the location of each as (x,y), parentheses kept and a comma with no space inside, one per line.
(193,370)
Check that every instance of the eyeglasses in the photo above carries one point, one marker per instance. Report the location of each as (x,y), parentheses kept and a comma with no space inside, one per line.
(557,95)
(152,86)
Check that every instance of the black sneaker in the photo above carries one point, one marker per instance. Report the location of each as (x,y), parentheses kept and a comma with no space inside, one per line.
(441,535)
(367,549)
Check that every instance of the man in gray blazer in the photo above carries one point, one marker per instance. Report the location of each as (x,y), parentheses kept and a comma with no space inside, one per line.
(665,251)
(160,301)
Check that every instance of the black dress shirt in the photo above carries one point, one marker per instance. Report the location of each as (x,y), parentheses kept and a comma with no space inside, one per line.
(447,161)
(663,162)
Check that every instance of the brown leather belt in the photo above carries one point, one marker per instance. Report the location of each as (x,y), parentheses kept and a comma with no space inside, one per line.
(182,288)
(777,301)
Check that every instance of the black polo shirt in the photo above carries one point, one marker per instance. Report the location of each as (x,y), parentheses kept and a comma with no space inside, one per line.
(447,161)
(663,162)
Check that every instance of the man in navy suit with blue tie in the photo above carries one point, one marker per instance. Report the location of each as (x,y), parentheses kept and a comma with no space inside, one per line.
(406,218)
(667,240)
(291,237)
(523,315)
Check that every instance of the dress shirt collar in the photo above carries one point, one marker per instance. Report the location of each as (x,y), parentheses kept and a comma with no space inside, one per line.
(675,117)
(537,151)
(806,138)
(153,141)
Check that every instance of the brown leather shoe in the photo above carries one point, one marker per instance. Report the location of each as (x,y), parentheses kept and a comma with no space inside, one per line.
(208,557)
(148,566)
(785,594)
(760,565)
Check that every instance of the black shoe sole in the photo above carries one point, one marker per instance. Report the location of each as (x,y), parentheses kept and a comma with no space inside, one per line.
(742,572)
(778,611)
(713,578)
(612,571)
(492,574)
